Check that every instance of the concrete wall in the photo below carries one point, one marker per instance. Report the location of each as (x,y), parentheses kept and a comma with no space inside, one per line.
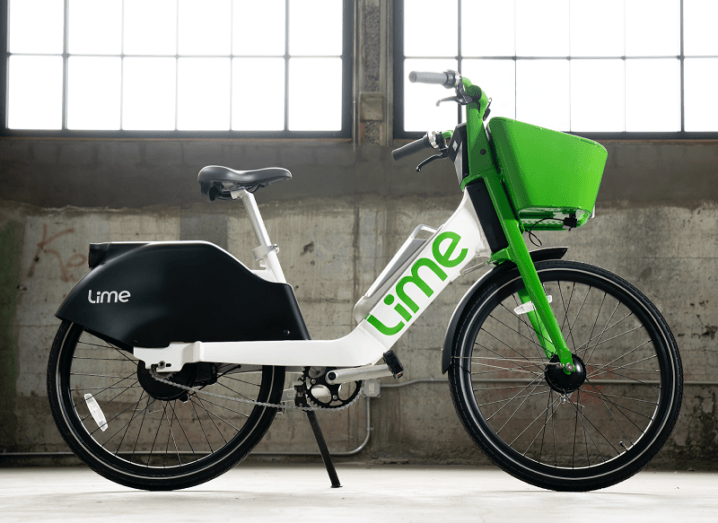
(347,210)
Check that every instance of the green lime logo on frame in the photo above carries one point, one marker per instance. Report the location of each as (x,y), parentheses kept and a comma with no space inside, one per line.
(441,258)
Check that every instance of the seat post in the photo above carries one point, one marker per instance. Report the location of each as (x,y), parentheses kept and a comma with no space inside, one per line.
(260,231)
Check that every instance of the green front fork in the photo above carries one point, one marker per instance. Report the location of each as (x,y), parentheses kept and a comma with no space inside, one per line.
(542,318)
(482,165)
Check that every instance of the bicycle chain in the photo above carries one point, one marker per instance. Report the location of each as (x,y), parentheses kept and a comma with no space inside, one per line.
(156,376)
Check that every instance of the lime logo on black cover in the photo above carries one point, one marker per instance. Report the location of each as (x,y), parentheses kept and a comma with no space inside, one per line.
(112,297)
(442,258)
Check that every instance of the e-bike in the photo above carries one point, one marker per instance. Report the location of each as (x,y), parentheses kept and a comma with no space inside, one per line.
(170,362)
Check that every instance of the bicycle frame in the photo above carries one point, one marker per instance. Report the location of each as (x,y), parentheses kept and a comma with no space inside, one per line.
(454,245)
(440,262)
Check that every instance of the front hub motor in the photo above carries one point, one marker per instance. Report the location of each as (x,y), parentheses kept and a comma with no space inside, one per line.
(561,382)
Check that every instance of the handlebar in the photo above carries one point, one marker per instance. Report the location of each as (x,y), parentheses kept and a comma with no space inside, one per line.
(412,148)
(448,78)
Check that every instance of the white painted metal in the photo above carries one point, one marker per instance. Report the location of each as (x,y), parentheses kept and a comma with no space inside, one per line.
(366,344)
(260,231)
(354,350)
(265,275)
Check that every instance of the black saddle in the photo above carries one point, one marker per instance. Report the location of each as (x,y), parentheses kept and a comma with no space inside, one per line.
(217,183)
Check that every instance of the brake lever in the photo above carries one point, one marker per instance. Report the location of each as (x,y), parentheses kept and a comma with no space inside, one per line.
(449,99)
(461,97)
(444,153)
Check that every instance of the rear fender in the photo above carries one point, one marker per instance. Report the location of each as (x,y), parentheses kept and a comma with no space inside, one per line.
(550,253)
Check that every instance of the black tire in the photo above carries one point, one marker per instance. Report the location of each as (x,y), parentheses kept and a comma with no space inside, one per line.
(149,443)
(543,429)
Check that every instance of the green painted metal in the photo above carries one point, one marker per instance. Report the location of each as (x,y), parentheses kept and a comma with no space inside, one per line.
(500,257)
(486,162)
(519,254)
(479,163)
(549,175)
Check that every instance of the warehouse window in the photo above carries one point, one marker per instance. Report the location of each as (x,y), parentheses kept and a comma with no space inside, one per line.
(614,68)
(178,66)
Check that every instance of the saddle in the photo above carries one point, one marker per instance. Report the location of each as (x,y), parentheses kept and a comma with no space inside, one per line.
(218,183)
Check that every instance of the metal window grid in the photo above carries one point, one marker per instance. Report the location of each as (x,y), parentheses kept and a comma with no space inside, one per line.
(400,76)
(346,106)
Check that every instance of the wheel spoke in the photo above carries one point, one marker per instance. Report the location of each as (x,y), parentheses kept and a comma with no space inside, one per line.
(153,434)
(139,433)
(596,428)
(243,381)
(595,371)
(200,424)
(109,420)
(182,429)
(565,311)
(112,386)
(517,408)
(157,434)
(568,425)
(539,348)
(127,425)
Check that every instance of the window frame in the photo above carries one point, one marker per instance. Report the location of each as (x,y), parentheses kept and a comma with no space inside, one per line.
(400,76)
(346,109)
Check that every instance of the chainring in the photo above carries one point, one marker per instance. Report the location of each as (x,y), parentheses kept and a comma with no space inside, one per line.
(327,395)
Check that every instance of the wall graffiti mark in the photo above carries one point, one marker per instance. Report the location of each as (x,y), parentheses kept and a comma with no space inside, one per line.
(76,260)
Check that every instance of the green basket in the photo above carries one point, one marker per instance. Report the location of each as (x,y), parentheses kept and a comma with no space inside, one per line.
(549,175)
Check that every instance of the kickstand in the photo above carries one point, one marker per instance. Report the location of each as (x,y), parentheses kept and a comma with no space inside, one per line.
(301,400)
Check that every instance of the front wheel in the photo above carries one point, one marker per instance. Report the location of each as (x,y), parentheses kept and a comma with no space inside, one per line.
(589,430)
(148,435)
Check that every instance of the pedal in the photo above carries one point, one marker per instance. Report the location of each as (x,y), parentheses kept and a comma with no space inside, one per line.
(392,361)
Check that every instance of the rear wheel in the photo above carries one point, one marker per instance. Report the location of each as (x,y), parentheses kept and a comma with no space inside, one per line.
(589,430)
(145,434)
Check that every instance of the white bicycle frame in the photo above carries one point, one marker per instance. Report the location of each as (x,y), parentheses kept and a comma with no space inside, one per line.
(404,297)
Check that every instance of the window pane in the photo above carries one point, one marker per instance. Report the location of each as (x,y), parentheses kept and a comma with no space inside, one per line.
(701,104)
(542,96)
(148,94)
(204,27)
(495,38)
(699,27)
(498,79)
(653,27)
(431,28)
(258,106)
(542,28)
(315,27)
(93,95)
(597,28)
(420,111)
(258,27)
(150,27)
(203,94)
(36,26)
(597,95)
(95,27)
(35,92)
(315,94)
(653,95)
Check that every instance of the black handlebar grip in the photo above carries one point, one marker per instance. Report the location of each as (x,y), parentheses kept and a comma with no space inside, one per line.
(429,78)
(412,148)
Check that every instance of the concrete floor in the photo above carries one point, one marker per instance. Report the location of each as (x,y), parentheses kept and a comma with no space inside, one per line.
(370,493)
